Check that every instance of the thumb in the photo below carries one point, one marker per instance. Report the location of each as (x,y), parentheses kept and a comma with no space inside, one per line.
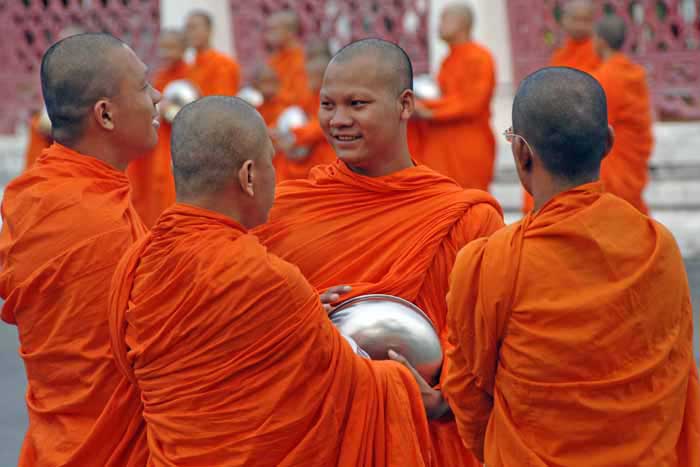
(397,357)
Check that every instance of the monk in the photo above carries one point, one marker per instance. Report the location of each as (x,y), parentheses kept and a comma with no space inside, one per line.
(152,185)
(287,56)
(39,130)
(262,378)
(373,219)
(577,52)
(66,222)
(306,147)
(213,72)
(267,81)
(625,172)
(457,139)
(572,329)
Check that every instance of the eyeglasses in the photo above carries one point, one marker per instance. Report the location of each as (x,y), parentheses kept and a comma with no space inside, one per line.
(510,135)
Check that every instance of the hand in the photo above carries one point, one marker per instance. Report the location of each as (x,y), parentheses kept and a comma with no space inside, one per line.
(332,295)
(421,111)
(435,405)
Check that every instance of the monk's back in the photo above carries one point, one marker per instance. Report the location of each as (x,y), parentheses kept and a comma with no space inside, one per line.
(601,348)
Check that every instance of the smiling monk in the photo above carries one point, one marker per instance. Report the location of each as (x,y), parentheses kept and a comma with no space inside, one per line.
(387,225)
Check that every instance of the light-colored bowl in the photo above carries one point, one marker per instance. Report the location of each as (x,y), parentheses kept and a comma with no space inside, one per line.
(425,87)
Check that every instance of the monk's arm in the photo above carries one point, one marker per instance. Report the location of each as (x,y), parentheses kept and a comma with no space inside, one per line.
(476,84)
(472,353)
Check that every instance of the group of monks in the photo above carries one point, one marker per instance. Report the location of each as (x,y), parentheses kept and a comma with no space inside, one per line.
(203,339)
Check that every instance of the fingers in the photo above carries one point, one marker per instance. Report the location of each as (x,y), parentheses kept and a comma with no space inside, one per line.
(339,289)
(397,357)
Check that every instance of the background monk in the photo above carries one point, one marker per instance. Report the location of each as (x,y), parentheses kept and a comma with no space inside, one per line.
(572,329)
(390,227)
(66,223)
(267,81)
(39,126)
(287,56)
(457,139)
(306,147)
(625,172)
(152,185)
(236,358)
(578,50)
(213,72)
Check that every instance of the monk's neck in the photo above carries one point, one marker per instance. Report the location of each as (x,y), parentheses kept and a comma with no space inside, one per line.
(545,190)
(100,151)
(381,168)
(460,39)
(203,49)
(215,203)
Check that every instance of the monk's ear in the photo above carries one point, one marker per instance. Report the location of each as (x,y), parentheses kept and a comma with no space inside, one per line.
(246,177)
(407,101)
(610,141)
(102,111)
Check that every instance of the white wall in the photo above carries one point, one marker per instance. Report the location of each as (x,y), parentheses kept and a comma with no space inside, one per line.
(174,12)
(490,29)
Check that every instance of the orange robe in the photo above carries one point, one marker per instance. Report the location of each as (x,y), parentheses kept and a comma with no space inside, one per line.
(625,171)
(38,141)
(290,66)
(572,334)
(239,364)
(458,140)
(66,223)
(215,73)
(309,136)
(270,111)
(573,54)
(151,177)
(398,234)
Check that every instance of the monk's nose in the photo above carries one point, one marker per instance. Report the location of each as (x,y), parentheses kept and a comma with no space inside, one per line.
(340,118)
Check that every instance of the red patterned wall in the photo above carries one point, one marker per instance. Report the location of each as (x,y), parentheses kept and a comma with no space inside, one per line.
(663,35)
(30,26)
(339,22)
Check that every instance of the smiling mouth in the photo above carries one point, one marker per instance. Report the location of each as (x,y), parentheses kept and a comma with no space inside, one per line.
(347,139)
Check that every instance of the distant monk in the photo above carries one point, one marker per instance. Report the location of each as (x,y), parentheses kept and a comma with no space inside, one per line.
(306,146)
(389,226)
(267,81)
(66,222)
(625,172)
(231,348)
(152,185)
(215,73)
(287,56)
(39,130)
(572,329)
(456,138)
(578,51)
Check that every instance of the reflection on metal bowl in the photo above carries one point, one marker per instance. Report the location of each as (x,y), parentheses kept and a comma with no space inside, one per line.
(379,323)
(251,96)
(44,124)
(291,118)
(176,95)
(425,87)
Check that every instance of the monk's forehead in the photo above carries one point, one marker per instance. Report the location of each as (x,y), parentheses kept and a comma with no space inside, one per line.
(579,8)
(368,65)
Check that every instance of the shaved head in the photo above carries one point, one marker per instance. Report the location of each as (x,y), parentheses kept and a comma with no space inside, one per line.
(461,11)
(76,72)
(211,139)
(612,30)
(577,19)
(573,7)
(562,114)
(390,59)
(203,15)
(287,19)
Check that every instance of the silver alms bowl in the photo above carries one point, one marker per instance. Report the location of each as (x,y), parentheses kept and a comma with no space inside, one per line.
(379,323)
(425,87)
(176,95)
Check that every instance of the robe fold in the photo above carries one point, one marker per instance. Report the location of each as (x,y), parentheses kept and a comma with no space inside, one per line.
(151,177)
(66,222)
(215,73)
(571,336)
(458,140)
(398,235)
(238,363)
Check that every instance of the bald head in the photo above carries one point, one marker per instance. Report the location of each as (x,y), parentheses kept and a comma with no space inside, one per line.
(76,72)
(612,30)
(562,114)
(286,19)
(577,18)
(211,139)
(390,59)
(461,11)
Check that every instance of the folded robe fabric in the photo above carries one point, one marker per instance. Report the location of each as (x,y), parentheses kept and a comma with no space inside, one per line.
(238,363)
(66,222)
(572,334)
(398,234)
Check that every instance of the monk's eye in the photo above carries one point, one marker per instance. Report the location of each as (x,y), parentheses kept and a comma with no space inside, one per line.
(358,103)
(326,104)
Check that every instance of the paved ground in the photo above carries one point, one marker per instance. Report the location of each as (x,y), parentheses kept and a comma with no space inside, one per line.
(12,381)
